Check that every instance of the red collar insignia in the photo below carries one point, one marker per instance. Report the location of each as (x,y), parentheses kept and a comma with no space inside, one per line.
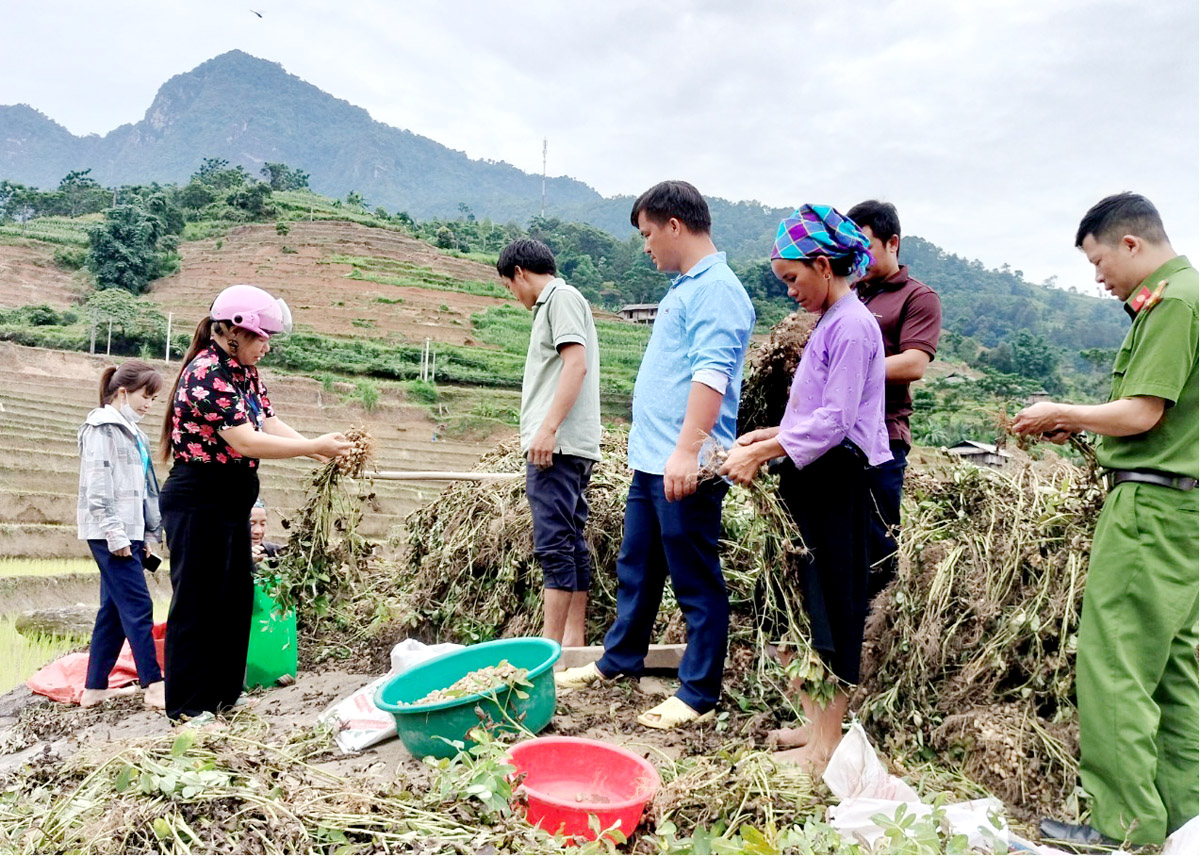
(1145,299)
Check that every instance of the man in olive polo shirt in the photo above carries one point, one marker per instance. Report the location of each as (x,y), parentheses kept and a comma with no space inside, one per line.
(1136,677)
(560,430)
(910,317)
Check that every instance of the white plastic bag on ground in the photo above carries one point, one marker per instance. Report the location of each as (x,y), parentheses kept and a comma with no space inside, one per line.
(1185,840)
(357,721)
(854,771)
(857,778)
(409,653)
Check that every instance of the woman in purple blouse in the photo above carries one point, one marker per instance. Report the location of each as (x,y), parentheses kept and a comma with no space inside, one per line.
(832,431)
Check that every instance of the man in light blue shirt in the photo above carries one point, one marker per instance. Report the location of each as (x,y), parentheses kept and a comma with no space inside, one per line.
(687,390)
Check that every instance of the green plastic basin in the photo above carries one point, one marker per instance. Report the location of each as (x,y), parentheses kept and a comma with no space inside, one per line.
(423,727)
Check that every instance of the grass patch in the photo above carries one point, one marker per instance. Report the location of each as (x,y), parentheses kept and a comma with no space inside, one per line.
(395,272)
(26,567)
(305,205)
(200,229)
(425,392)
(27,655)
(488,259)
(315,353)
(68,231)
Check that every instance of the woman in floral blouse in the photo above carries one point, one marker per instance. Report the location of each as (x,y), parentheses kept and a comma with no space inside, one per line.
(221,423)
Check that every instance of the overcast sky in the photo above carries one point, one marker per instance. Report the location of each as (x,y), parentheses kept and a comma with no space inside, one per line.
(991,124)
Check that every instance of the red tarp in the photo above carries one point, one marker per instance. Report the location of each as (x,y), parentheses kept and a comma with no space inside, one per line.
(63,680)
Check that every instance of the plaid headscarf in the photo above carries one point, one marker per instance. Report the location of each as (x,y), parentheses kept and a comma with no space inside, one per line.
(820,230)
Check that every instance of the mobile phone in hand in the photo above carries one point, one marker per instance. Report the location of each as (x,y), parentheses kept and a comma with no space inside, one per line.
(151,562)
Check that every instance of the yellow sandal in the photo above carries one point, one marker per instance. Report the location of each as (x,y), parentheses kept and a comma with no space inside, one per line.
(579,677)
(672,713)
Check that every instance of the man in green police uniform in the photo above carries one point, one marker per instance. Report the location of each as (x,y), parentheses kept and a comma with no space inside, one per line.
(1136,675)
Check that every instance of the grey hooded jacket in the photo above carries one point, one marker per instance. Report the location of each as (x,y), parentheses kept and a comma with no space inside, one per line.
(118,495)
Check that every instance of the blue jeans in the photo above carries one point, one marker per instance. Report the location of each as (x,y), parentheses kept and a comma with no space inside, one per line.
(126,613)
(559,514)
(679,539)
(886,482)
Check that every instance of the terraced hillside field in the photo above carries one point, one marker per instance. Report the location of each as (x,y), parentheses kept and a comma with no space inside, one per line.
(340,278)
(46,394)
(29,275)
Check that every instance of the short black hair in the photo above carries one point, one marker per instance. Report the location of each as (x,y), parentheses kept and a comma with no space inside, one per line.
(1122,214)
(676,199)
(527,253)
(880,216)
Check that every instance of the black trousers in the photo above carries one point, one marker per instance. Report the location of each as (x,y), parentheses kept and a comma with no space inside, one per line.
(828,500)
(206,513)
(886,483)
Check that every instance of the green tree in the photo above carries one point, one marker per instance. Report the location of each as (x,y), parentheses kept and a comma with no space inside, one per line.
(196,195)
(355,200)
(283,177)
(252,201)
(1034,357)
(170,214)
(82,194)
(124,251)
(217,174)
(14,198)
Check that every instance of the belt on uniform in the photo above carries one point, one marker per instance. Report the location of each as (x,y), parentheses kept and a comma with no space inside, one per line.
(1113,478)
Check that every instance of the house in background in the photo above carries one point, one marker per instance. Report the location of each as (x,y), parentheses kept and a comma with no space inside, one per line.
(639,313)
(983,454)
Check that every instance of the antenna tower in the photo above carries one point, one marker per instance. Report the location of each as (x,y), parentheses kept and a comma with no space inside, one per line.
(543,177)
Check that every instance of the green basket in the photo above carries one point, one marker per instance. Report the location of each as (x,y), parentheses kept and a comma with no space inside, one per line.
(427,729)
(272,652)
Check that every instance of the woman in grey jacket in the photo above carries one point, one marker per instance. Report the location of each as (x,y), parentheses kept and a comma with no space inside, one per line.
(118,517)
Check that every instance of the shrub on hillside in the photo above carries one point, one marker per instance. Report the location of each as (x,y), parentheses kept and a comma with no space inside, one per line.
(70,258)
(425,392)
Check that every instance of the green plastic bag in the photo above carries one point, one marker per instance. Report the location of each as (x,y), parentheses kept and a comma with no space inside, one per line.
(272,652)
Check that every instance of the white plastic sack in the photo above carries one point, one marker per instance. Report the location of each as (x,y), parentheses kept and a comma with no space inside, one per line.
(854,771)
(1185,840)
(858,778)
(357,721)
(409,653)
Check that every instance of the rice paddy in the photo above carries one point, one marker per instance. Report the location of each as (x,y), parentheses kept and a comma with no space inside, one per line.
(27,655)
(38,567)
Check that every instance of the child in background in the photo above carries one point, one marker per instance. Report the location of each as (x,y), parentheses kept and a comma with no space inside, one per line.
(118,517)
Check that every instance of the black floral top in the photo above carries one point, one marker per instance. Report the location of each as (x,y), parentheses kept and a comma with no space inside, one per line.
(216,393)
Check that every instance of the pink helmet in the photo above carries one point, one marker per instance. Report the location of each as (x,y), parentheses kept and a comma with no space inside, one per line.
(252,308)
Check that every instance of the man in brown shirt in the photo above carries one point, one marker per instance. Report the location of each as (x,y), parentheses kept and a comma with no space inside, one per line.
(910,315)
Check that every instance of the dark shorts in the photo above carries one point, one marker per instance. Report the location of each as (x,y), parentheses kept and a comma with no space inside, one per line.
(559,515)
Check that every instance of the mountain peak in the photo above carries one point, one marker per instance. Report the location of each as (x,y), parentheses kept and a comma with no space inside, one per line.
(248,111)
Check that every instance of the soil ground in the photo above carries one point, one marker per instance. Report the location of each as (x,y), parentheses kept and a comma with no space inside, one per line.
(28,275)
(32,726)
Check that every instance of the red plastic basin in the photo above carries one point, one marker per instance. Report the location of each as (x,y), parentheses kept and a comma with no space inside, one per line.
(569,779)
